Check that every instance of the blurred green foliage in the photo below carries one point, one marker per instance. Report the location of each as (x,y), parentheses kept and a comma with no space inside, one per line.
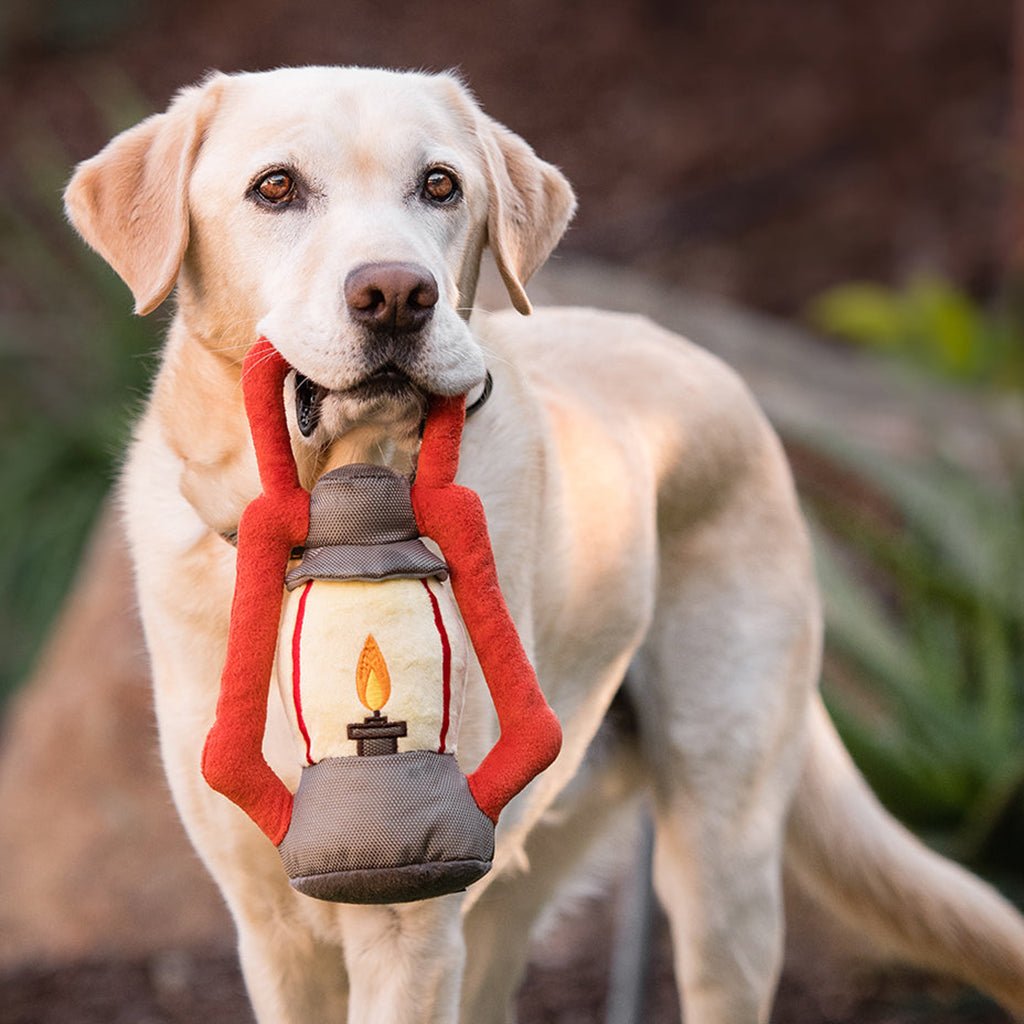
(930,323)
(71,373)
(925,634)
(924,586)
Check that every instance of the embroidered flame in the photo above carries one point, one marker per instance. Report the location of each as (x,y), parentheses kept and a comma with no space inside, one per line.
(373,681)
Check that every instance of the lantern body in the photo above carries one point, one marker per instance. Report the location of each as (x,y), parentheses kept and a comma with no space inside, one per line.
(322,670)
(372,661)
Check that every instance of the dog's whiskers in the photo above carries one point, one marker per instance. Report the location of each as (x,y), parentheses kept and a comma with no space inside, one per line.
(259,362)
(492,356)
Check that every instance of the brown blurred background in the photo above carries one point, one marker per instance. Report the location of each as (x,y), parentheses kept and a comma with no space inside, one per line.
(729,155)
(760,150)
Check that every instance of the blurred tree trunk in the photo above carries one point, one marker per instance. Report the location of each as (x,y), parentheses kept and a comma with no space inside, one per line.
(1013,239)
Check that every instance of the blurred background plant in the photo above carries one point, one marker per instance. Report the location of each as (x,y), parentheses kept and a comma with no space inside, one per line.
(72,368)
(922,566)
(932,324)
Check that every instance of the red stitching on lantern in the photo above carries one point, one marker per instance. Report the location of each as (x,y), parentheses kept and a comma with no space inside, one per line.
(446,664)
(296,643)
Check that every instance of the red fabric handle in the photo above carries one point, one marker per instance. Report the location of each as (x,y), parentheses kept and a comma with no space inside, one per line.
(263,376)
(453,517)
(276,522)
(271,526)
(438,460)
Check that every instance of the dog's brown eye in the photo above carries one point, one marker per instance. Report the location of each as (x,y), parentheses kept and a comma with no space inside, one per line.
(440,186)
(276,187)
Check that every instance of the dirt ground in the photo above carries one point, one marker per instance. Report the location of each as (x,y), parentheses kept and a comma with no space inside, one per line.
(757,149)
(182,986)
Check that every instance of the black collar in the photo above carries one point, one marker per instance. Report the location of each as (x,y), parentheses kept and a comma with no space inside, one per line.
(481,401)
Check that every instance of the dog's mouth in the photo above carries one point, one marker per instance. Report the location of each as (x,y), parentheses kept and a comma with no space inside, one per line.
(388,382)
(309,397)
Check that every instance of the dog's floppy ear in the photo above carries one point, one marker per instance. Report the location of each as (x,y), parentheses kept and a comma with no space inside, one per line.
(530,206)
(130,201)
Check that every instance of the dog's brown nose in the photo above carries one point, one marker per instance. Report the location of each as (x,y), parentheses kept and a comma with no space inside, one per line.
(396,297)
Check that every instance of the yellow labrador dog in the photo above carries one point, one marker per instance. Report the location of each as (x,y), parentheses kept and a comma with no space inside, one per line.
(643,519)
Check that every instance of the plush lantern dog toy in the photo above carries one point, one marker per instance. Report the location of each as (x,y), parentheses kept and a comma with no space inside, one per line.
(371,658)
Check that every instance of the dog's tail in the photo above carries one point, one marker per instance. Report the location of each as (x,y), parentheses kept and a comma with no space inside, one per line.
(849,854)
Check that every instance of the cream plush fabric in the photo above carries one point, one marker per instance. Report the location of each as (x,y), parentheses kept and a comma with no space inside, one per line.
(325,626)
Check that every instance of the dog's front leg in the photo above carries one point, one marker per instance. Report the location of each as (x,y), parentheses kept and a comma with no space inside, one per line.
(291,977)
(404,962)
(294,972)
(293,967)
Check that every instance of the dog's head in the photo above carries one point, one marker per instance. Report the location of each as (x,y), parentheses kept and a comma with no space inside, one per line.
(339,212)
